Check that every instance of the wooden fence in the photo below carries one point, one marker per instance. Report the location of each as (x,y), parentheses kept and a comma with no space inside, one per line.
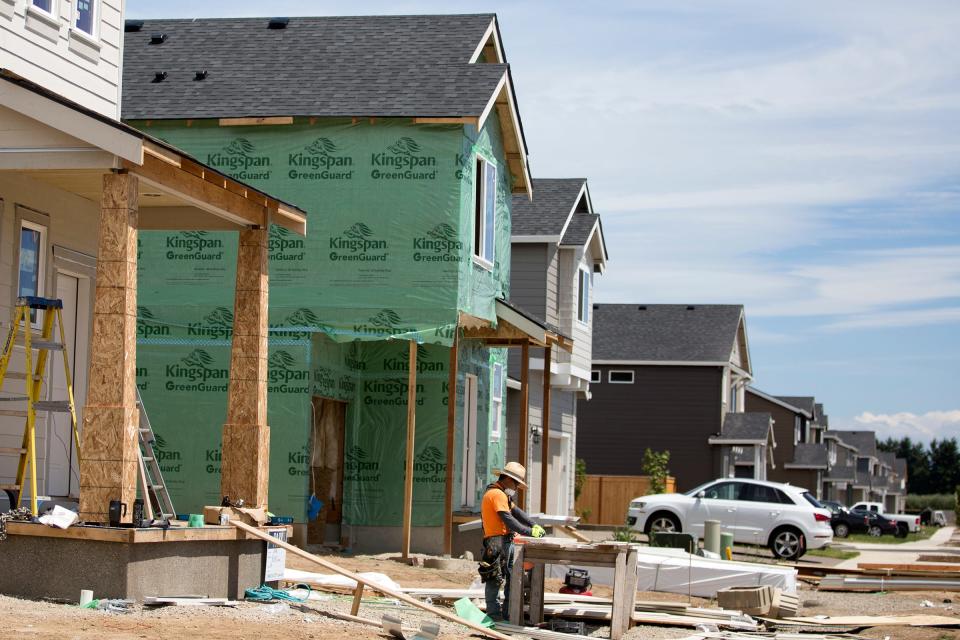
(608,497)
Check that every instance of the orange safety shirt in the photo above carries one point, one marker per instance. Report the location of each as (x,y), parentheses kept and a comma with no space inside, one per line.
(494,501)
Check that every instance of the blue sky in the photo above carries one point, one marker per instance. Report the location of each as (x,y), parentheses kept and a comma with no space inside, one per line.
(801,158)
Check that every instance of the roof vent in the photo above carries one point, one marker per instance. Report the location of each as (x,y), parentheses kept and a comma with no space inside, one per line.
(130,26)
(690,307)
(278,23)
(201,75)
(642,307)
(159,76)
(158,38)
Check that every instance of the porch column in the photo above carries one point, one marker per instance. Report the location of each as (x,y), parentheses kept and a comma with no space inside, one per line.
(524,419)
(411,441)
(109,445)
(545,430)
(451,453)
(246,436)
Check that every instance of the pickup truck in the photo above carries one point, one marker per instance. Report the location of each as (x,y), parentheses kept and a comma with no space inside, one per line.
(905,524)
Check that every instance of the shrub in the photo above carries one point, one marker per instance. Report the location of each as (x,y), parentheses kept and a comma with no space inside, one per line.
(655,466)
(936,501)
(579,478)
(623,534)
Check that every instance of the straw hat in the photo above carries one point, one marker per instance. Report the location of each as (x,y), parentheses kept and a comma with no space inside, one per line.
(516,471)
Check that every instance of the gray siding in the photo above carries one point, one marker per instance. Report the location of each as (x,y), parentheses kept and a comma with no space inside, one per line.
(528,268)
(552,285)
(672,409)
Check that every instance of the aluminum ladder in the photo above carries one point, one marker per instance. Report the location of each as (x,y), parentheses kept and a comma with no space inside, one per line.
(35,370)
(158,504)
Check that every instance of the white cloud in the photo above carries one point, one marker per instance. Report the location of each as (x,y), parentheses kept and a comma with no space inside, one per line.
(923,427)
(910,318)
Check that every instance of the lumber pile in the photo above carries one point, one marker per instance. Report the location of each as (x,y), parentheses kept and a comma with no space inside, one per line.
(870,577)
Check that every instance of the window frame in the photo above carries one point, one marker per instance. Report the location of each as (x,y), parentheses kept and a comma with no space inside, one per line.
(583,295)
(54,7)
(596,376)
(93,35)
(44,231)
(483,165)
(610,379)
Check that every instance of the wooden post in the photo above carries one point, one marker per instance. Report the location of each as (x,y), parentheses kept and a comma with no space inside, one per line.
(109,458)
(246,436)
(411,438)
(524,418)
(451,439)
(545,430)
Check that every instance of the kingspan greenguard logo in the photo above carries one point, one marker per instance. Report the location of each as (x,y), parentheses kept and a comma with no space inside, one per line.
(216,325)
(148,326)
(358,243)
(299,461)
(320,160)
(283,375)
(440,244)
(167,457)
(402,362)
(299,325)
(324,380)
(213,458)
(285,246)
(386,322)
(403,160)
(194,245)
(429,466)
(359,467)
(353,359)
(240,160)
(195,372)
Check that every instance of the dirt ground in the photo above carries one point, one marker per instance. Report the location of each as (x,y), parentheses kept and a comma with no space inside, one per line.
(28,619)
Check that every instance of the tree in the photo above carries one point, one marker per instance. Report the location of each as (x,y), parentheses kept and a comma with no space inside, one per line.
(945,465)
(655,466)
(919,479)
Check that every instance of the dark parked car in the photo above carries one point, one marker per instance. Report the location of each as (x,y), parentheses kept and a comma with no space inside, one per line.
(879,525)
(844,522)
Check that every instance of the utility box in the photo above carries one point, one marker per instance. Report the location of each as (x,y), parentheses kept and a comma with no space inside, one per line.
(754,601)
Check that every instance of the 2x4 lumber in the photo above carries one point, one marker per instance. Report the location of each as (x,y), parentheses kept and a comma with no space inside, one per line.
(524,416)
(411,440)
(573,533)
(248,122)
(448,120)
(545,429)
(516,586)
(399,595)
(357,596)
(199,192)
(451,439)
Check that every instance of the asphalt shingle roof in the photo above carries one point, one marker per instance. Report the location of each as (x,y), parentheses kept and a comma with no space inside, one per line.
(745,426)
(665,332)
(888,458)
(800,402)
(390,66)
(900,466)
(864,441)
(547,212)
(842,473)
(811,454)
(578,231)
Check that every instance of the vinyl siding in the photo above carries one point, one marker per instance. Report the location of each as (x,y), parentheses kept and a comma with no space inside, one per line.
(528,285)
(672,409)
(49,55)
(782,434)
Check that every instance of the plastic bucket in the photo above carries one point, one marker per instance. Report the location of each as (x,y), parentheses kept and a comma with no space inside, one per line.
(726,542)
(195,520)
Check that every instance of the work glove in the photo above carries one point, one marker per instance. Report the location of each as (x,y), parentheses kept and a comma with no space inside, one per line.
(538,531)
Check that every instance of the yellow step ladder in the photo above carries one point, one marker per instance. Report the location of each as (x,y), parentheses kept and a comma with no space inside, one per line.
(33,381)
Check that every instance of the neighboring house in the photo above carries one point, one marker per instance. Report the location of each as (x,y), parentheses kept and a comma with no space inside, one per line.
(896,475)
(671,378)
(557,250)
(402,135)
(800,458)
(76,186)
(870,484)
(842,474)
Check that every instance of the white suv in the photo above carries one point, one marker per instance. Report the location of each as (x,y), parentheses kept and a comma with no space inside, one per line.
(785,518)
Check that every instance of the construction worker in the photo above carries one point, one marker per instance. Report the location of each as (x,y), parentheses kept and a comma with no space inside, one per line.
(502,520)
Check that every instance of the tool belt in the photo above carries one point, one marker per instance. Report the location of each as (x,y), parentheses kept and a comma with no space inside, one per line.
(490,567)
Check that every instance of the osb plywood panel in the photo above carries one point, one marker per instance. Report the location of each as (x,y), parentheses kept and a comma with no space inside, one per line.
(246,463)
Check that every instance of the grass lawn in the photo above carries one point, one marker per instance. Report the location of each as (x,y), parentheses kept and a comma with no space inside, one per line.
(923,534)
(833,552)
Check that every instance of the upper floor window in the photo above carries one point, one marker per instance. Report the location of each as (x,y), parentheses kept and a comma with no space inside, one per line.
(620,377)
(44,5)
(733,399)
(86,16)
(583,296)
(484,211)
(595,376)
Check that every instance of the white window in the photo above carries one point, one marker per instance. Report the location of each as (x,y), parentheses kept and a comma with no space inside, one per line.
(484,211)
(733,399)
(595,376)
(620,377)
(46,6)
(85,17)
(496,401)
(583,296)
(32,261)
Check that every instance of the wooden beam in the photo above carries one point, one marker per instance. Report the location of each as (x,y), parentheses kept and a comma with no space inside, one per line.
(411,441)
(524,418)
(387,591)
(451,439)
(248,122)
(545,430)
(449,120)
(198,191)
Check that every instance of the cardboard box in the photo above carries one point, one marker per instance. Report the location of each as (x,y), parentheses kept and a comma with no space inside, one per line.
(253,517)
